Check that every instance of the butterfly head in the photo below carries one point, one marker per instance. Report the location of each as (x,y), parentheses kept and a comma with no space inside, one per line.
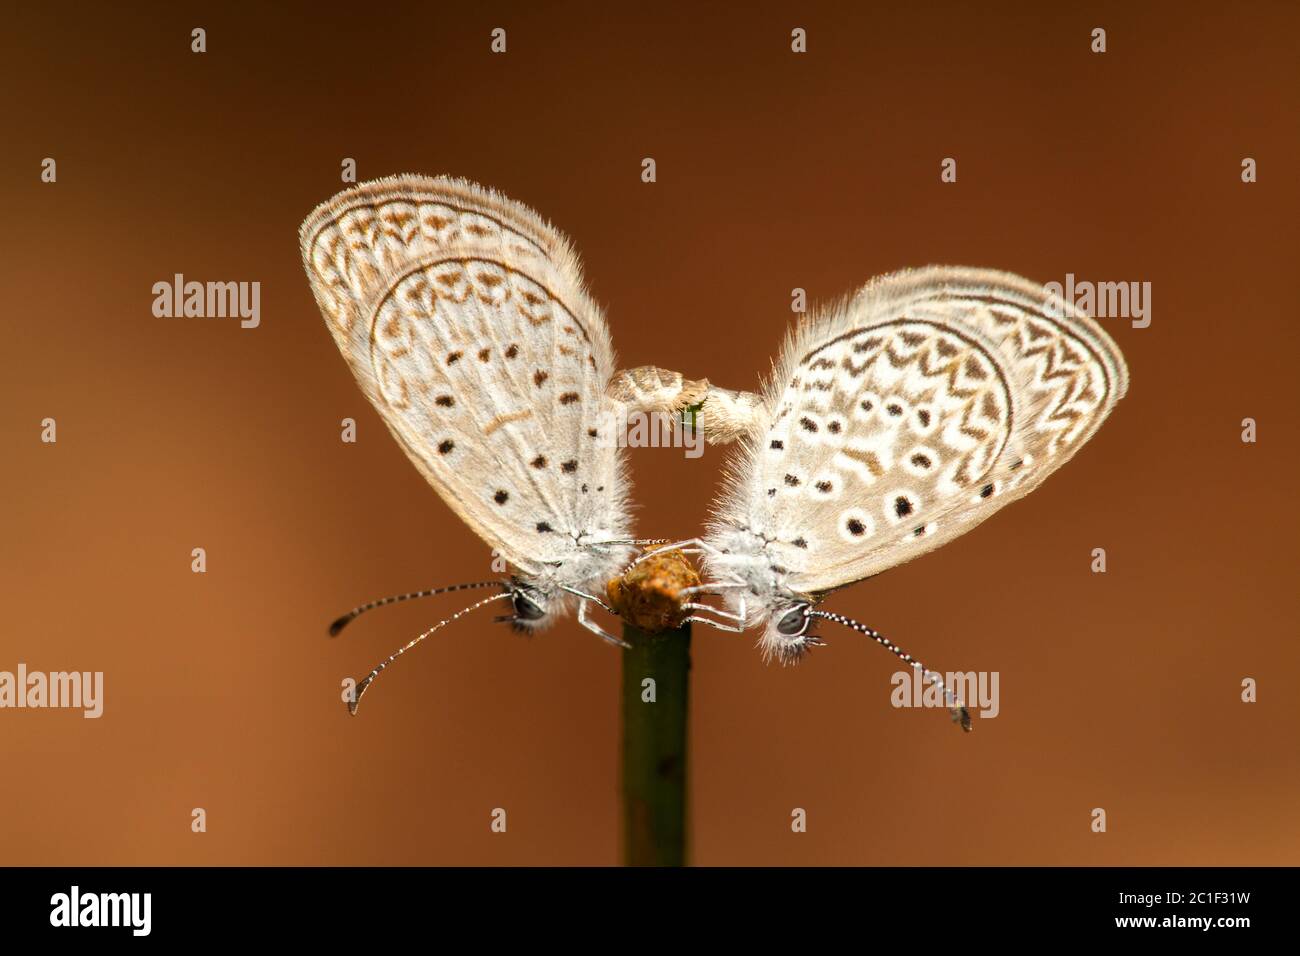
(788,634)
(534,608)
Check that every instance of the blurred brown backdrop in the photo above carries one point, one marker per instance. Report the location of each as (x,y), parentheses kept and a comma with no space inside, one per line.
(775,170)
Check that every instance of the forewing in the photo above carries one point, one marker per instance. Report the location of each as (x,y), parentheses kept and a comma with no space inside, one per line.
(465,321)
(913,412)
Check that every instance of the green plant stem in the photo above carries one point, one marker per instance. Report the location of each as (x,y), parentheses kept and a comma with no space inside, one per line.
(654,746)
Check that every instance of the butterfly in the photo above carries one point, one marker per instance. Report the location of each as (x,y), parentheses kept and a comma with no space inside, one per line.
(466,322)
(894,421)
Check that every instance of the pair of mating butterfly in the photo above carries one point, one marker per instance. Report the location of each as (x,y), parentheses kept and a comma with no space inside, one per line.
(894,420)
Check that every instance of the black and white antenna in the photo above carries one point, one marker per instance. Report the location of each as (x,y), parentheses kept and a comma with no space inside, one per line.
(960,715)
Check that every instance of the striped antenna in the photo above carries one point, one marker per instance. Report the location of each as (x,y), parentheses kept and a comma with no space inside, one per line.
(361,688)
(960,715)
(356,612)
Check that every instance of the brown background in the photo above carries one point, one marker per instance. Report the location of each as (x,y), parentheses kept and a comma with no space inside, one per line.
(775,170)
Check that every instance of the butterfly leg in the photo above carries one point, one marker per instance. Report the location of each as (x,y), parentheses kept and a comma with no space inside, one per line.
(714,589)
(738,617)
(687,546)
(692,606)
(596,629)
(637,542)
(719,625)
(737,620)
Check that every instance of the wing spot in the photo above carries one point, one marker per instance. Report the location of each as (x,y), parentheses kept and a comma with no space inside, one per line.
(824,487)
(799,543)
(538,462)
(483,354)
(501,497)
(453,357)
(568,398)
(777,444)
(569,467)
(834,427)
(921,461)
(894,409)
(808,424)
(512,351)
(445,446)
(543,527)
(539,377)
(855,527)
(446,401)
(902,506)
(792,481)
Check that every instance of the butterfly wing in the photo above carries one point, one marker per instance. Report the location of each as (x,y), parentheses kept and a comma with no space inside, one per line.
(465,320)
(912,412)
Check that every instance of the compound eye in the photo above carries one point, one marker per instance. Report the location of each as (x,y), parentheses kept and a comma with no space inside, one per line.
(795,622)
(526,609)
